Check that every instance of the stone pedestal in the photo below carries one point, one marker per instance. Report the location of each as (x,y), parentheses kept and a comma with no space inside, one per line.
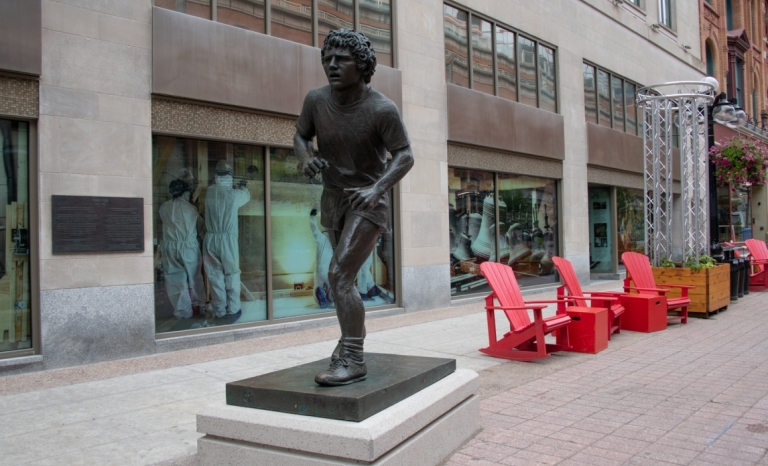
(421,430)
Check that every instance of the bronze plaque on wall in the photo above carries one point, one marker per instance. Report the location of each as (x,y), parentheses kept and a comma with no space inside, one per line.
(97,224)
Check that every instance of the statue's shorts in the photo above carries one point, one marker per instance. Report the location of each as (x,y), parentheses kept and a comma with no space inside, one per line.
(336,205)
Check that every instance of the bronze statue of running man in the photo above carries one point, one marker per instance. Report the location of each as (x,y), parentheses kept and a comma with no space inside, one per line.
(356,126)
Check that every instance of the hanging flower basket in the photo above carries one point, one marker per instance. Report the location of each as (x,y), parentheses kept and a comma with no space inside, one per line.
(740,161)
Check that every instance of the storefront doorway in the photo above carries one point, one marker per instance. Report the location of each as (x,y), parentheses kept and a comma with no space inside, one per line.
(600,230)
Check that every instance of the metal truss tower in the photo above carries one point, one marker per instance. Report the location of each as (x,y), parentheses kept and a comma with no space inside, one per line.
(675,118)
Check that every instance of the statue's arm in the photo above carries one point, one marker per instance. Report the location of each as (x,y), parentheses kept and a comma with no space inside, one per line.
(305,151)
(366,198)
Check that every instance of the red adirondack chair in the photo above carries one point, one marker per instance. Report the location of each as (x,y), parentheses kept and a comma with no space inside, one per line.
(604,299)
(758,278)
(525,339)
(639,271)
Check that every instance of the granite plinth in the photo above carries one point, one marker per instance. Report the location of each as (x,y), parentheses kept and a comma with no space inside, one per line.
(422,430)
(391,379)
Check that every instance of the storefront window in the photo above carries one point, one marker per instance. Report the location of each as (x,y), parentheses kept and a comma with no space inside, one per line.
(199,8)
(525,235)
(245,14)
(630,221)
(600,229)
(734,214)
(376,24)
(15,312)
(209,233)
(210,236)
(301,247)
(528,227)
(472,227)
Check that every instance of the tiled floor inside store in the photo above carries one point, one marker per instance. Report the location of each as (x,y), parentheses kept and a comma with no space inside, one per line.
(693,394)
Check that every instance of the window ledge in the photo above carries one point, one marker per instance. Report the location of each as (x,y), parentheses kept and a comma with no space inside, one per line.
(20,361)
(712,9)
(666,30)
(637,8)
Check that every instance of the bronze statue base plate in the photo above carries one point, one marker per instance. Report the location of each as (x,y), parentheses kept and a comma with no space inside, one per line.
(391,379)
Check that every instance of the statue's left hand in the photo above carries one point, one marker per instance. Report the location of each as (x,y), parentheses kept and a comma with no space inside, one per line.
(364,198)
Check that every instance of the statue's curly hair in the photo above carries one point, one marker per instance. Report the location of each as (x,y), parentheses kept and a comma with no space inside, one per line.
(357,44)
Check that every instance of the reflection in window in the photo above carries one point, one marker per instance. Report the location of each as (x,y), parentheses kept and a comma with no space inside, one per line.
(482,56)
(376,23)
(515,61)
(590,97)
(527,63)
(456,54)
(199,8)
(209,233)
(335,14)
(548,100)
(734,216)
(630,221)
(617,95)
(472,227)
(245,14)
(301,247)
(505,61)
(604,98)
(528,227)
(526,231)
(15,305)
(629,105)
(292,20)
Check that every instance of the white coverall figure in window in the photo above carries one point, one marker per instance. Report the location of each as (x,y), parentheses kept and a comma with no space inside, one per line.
(365,284)
(323,294)
(220,247)
(180,250)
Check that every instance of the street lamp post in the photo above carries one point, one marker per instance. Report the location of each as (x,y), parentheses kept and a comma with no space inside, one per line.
(728,113)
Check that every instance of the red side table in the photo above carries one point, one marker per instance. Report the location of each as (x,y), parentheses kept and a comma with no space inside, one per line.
(643,312)
(587,330)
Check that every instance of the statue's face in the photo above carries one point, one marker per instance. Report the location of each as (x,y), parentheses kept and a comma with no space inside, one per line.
(341,69)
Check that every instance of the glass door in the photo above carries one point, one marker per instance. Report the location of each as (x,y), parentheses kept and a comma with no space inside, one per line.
(600,226)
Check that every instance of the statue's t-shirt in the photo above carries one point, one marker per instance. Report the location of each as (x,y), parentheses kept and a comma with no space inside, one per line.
(354,139)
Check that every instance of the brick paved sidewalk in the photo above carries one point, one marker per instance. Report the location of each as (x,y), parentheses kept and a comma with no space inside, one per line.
(695,394)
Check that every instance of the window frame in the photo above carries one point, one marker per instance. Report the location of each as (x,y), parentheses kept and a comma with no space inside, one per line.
(495,24)
(671,21)
(624,81)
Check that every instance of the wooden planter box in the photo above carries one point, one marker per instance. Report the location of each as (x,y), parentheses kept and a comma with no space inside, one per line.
(713,286)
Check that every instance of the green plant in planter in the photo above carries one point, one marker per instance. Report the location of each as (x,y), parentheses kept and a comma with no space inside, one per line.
(667,263)
(704,262)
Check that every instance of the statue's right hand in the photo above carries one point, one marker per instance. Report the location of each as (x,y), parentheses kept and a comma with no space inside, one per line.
(313,166)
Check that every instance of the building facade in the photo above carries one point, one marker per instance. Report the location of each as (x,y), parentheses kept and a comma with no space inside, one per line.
(733,44)
(521,118)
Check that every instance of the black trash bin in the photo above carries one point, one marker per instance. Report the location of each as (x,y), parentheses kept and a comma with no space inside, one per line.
(727,257)
(742,275)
